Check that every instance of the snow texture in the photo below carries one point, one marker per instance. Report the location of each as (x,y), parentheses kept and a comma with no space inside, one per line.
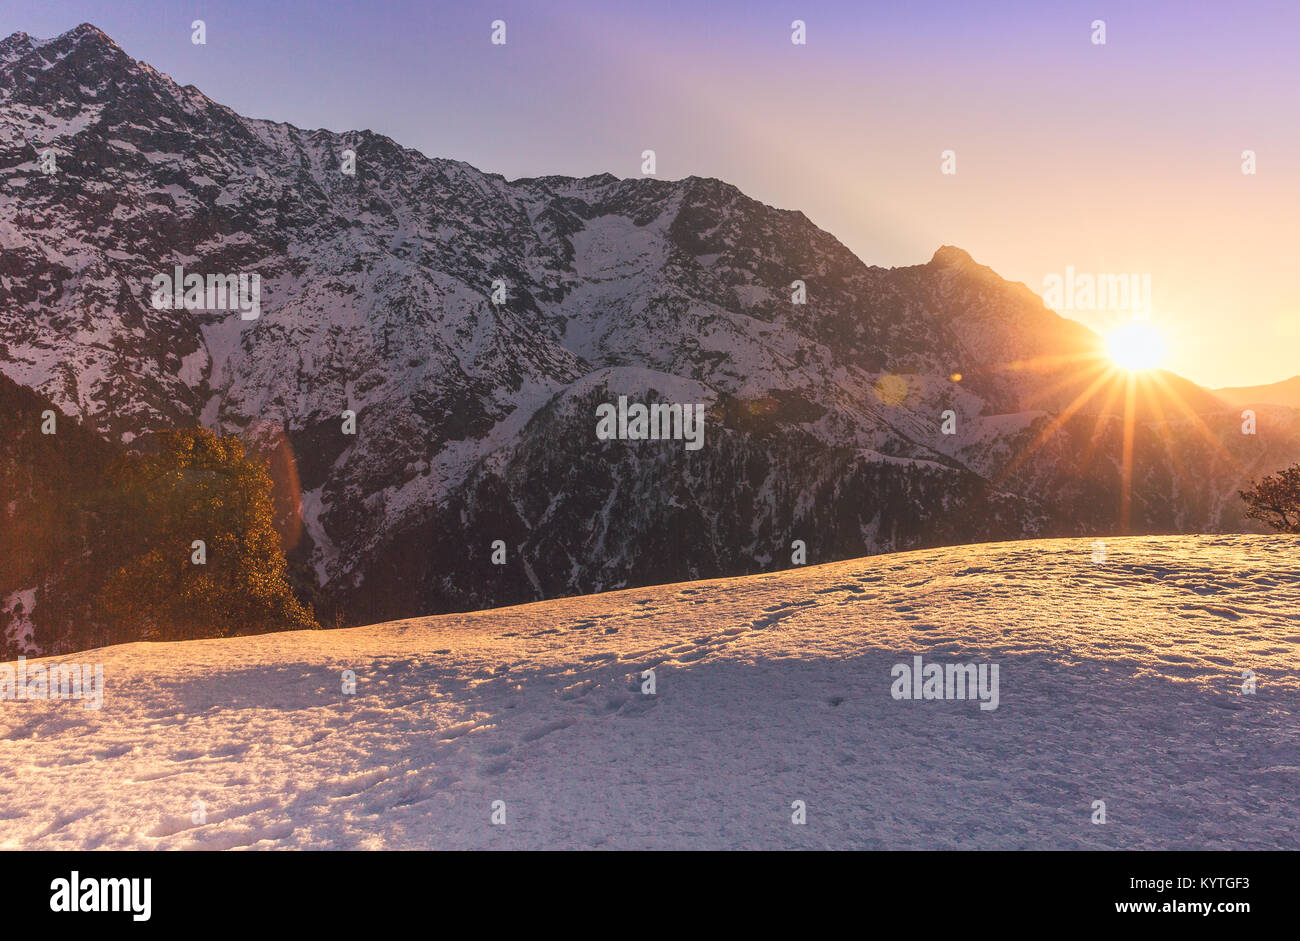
(1120,681)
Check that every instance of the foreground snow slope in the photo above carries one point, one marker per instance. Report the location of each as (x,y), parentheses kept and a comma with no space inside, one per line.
(1119,681)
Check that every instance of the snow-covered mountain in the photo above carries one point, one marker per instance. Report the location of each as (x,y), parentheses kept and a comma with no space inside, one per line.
(1120,680)
(476,420)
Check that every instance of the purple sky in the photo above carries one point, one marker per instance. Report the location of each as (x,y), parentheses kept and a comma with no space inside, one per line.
(1110,159)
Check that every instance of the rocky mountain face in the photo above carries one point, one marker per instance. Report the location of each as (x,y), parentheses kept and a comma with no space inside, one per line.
(432,344)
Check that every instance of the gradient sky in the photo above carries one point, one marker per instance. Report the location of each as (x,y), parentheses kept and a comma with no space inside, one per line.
(1123,158)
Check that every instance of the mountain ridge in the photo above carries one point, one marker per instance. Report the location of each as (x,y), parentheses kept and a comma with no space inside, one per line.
(1283,392)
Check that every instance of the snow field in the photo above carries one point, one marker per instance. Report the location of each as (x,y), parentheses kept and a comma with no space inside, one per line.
(1119,681)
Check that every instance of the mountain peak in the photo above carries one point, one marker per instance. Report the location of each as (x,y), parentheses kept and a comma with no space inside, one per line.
(87,35)
(950,256)
(88,30)
(85,31)
(16,45)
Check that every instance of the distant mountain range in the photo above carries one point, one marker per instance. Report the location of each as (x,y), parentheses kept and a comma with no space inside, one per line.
(1286,392)
(473,325)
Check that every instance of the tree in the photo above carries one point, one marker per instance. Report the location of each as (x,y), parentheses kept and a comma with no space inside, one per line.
(191,486)
(1275,500)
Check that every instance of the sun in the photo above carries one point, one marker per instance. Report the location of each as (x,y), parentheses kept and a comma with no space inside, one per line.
(1123,378)
(1136,346)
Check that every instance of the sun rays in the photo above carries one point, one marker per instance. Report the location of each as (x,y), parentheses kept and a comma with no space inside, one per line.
(1124,370)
